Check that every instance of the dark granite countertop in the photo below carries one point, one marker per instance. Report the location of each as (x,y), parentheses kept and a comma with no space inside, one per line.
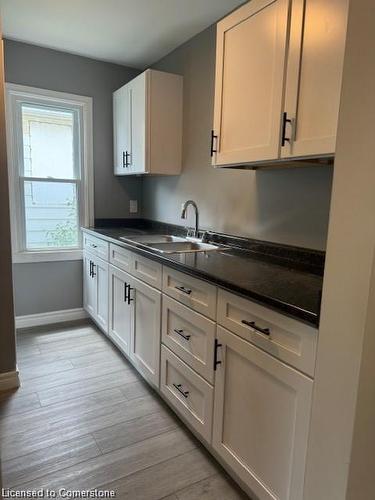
(281,284)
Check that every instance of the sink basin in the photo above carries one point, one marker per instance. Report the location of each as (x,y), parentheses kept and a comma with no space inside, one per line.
(165,243)
(147,239)
(182,247)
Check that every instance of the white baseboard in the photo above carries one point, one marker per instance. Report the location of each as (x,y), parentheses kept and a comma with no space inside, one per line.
(9,380)
(49,318)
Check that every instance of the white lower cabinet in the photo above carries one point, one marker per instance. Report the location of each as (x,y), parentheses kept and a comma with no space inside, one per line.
(251,407)
(120,310)
(261,418)
(186,391)
(145,338)
(89,285)
(96,289)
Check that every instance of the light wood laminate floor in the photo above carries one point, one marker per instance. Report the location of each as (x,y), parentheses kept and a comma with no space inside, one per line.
(84,419)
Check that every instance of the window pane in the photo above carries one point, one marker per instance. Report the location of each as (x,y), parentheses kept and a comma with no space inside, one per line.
(48,142)
(51,215)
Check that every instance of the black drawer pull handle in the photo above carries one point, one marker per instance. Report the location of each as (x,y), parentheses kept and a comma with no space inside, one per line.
(181,334)
(181,391)
(90,268)
(252,324)
(183,289)
(216,362)
(93,273)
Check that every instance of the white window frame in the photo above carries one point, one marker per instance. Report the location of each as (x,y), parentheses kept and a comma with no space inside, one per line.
(15,94)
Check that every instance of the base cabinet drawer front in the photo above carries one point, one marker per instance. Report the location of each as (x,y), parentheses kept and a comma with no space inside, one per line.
(96,246)
(145,340)
(189,335)
(147,270)
(287,339)
(194,293)
(120,311)
(120,257)
(189,393)
(261,418)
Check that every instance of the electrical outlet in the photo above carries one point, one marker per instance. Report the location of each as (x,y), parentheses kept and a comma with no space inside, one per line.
(133,206)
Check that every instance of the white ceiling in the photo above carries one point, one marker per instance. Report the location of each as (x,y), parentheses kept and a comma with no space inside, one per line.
(130,32)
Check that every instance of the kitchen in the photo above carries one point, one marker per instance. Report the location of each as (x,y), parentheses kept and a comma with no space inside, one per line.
(213,181)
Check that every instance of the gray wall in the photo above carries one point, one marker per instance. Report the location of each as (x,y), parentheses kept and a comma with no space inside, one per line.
(289,206)
(54,286)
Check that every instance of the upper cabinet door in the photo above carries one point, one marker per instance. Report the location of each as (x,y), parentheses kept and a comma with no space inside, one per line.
(250,60)
(121,129)
(137,112)
(314,72)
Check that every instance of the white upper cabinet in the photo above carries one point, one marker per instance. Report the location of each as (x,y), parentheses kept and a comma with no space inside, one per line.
(147,123)
(278,81)
(250,59)
(314,72)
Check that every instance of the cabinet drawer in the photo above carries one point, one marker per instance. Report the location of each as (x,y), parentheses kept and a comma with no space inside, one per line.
(283,337)
(192,292)
(120,257)
(96,246)
(187,392)
(147,270)
(190,335)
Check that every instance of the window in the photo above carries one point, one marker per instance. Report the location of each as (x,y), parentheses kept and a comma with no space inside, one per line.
(50,164)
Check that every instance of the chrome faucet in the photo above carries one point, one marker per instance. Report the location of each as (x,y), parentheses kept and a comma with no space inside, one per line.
(183,215)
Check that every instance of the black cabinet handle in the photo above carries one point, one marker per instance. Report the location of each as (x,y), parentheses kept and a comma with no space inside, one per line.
(213,137)
(181,333)
(93,273)
(285,121)
(127,294)
(181,391)
(216,362)
(127,163)
(183,289)
(252,324)
(123,160)
(90,268)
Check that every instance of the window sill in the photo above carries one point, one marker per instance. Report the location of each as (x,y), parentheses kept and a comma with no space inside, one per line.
(46,256)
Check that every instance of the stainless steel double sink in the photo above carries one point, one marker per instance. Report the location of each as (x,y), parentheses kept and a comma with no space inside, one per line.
(165,243)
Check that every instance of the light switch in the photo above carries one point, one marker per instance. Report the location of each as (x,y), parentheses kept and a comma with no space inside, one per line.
(133,206)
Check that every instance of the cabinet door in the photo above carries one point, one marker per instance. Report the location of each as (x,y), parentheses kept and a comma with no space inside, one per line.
(101,279)
(250,58)
(137,147)
(89,286)
(314,71)
(261,418)
(120,309)
(121,129)
(145,342)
